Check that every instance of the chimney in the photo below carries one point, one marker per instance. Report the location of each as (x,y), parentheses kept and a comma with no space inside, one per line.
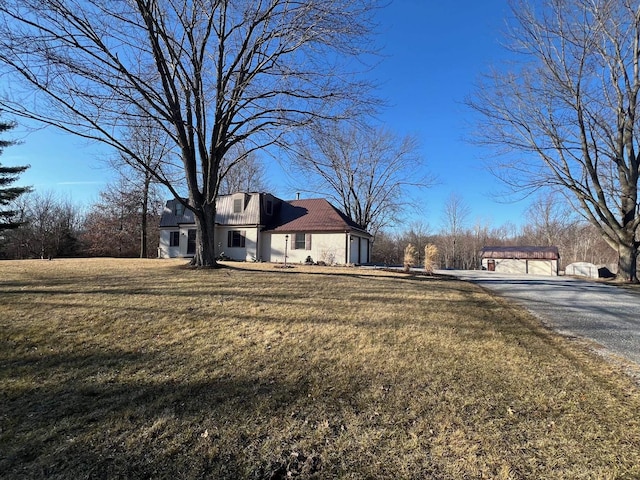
(297,195)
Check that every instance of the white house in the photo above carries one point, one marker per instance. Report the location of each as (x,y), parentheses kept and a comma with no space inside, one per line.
(262,227)
(521,260)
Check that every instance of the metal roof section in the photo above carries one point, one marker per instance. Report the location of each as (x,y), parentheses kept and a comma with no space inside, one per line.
(173,216)
(249,214)
(522,252)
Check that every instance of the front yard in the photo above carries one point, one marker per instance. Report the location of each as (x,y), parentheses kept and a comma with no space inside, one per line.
(146,369)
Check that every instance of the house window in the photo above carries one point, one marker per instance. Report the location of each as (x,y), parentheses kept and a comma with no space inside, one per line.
(301,241)
(174,239)
(179,209)
(236,238)
(269,207)
(237,205)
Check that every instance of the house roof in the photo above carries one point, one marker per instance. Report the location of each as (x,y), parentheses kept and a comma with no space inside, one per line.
(170,219)
(309,215)
(522,252)
(250,214)
(225,215)
(312,215)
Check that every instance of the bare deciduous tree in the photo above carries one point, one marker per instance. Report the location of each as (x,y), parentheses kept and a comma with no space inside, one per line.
(212,75)
(113,226)
(49,227)
(454,218)
(568,116)
(152,148)
(365,170)
(550,220)
(246,175)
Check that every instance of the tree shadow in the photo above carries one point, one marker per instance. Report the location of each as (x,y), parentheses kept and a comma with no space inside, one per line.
(86,416)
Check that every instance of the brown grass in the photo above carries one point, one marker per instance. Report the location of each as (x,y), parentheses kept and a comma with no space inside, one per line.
(146,369)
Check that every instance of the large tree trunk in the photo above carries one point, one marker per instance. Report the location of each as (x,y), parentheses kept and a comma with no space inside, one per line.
(144,224)
(627,262)
(205,255)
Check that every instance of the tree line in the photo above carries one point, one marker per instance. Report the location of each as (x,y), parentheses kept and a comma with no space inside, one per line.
(50,226)
(124,222)
(459,241)
(217,81)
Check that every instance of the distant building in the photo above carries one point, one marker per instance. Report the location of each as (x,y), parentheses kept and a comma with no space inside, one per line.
(530,260)
(260,226)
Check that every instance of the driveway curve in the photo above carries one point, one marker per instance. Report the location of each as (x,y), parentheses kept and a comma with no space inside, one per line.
(605,314)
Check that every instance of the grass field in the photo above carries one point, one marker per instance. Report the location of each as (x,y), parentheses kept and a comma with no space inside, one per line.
(146,369)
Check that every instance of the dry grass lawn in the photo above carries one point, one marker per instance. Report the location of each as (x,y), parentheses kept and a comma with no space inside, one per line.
(146,369)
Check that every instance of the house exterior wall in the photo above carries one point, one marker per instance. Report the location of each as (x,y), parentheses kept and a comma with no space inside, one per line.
(326,247)
(259,223)
(164,248)
(248,253)
(523,266)
(329,247)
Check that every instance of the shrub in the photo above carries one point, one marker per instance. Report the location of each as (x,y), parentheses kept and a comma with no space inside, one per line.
(430,255)
(409,257)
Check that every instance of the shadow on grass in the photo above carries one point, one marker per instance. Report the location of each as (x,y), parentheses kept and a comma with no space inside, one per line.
(90,416)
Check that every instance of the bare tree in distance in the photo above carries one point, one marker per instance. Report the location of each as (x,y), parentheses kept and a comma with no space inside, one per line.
(113,226)
(454,220)
(551,217)
(567,116)
(153,153)
(418,233)
(212,75)
(49,227)
(246,175)
(367,171)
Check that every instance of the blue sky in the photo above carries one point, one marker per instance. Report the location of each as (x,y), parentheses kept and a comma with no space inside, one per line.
(434,51)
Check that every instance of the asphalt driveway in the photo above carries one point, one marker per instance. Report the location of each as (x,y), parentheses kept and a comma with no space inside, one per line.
(606,314)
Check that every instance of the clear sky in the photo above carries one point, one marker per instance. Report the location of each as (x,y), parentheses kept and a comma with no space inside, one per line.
(434,51)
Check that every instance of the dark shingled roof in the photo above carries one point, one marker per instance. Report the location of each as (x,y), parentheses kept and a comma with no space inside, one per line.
(311,215)
(522,252)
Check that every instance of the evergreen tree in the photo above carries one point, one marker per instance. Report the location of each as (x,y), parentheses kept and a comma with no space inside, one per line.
(8,175)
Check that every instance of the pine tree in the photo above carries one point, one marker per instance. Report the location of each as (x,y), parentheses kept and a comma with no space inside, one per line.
(8,175)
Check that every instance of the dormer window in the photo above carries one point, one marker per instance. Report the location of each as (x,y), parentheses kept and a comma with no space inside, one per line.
(237,205)
(179,209)
(269,207)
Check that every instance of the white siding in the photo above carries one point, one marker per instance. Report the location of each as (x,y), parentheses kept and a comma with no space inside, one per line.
(247,253)
(510,265)
(543,267)
(165,251)
(359,249)
(325,247)
(522,267)
(330,248)
(583,269)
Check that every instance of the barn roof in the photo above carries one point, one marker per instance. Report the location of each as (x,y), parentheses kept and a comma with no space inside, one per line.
(522,252)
